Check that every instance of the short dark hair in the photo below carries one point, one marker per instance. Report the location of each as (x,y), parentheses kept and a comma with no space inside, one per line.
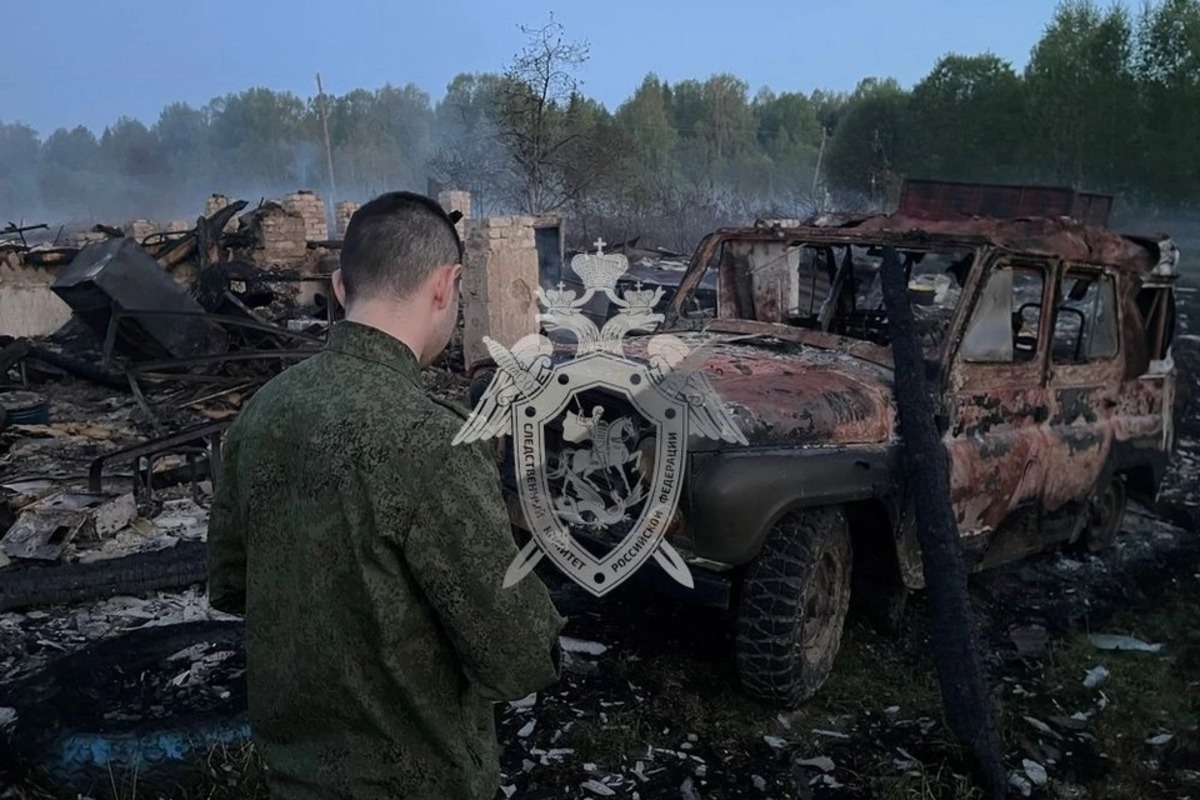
(394,242)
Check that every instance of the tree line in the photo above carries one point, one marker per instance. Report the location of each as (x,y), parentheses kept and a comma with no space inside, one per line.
(1109,102)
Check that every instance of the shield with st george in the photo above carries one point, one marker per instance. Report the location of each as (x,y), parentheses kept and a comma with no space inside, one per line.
(600,460)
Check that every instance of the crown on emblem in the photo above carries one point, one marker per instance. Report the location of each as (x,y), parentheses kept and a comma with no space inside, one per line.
(599,270)
(639,298)
(559,298)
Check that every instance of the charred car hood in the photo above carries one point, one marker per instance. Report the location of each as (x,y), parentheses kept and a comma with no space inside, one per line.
(785,393)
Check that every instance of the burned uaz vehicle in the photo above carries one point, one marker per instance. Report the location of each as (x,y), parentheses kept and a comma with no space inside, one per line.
(1047,351)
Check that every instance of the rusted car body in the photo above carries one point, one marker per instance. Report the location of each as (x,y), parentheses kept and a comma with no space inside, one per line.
(1036,427)
(1047,350)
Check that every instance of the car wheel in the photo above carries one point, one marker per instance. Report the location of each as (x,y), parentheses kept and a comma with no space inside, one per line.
(1105,514)
(793,604)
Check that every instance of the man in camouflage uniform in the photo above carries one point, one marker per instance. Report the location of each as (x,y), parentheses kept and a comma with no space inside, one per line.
(367,553)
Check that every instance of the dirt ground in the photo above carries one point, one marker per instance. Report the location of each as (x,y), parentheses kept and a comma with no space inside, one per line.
(663,694)
(649,707)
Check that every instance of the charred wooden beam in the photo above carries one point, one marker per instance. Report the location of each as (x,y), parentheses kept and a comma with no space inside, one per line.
(51,258)
(159,242)
(220,218)
(19,349)
(181,251)
(20,230)
(204,244)
(190,243)
(964,691)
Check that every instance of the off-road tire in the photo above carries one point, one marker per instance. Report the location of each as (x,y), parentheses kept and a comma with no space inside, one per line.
(799,582)
(1105,513)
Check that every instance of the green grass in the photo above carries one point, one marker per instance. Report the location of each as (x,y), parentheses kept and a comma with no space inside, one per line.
(682,696)
(615,742)
(924,783)
(1147,693)
(679,697)
(872,673)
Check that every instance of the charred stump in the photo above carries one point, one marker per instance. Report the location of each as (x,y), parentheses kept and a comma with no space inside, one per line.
(965,698)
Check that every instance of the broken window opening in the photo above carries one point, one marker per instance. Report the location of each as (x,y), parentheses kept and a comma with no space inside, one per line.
(1157,304)
(835,287)
(1006,325)
(1085,325)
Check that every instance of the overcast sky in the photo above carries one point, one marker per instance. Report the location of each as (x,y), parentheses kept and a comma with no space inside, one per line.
(69,62)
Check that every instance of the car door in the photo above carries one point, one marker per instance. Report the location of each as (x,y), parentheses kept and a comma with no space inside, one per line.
(1086,374)
(998,404)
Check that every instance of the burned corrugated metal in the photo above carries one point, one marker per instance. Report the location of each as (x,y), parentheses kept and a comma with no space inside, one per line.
(118,276)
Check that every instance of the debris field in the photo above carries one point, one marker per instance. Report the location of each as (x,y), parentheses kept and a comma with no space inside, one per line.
(109,416)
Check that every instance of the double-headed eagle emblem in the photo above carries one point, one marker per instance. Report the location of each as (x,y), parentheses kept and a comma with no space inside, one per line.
(528,386)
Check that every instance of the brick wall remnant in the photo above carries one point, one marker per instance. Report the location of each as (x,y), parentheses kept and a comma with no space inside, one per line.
(310,208)
(499,284)
(452,200)
(344,211)
(214,204)
(28,308)
(139,229)
(279,235)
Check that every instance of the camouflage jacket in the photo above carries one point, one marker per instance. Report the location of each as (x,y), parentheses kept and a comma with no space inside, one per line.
(367,554)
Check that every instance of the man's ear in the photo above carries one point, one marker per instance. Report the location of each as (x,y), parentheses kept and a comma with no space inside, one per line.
(339,287)
(443,285)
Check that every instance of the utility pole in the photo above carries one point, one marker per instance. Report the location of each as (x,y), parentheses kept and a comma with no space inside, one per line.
(817,172)
(332,222)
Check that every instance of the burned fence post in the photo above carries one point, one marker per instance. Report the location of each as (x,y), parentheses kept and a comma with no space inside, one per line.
(961,678)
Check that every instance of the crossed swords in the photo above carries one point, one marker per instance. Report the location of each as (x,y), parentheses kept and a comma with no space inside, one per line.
(532,554)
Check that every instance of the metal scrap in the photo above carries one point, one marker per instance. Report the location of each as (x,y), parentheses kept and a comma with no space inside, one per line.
(44,529)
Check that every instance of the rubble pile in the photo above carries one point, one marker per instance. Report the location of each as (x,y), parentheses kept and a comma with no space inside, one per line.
(134,697)
(67,498)
(107,423)
(37,637)
(124,353)
(660,267)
